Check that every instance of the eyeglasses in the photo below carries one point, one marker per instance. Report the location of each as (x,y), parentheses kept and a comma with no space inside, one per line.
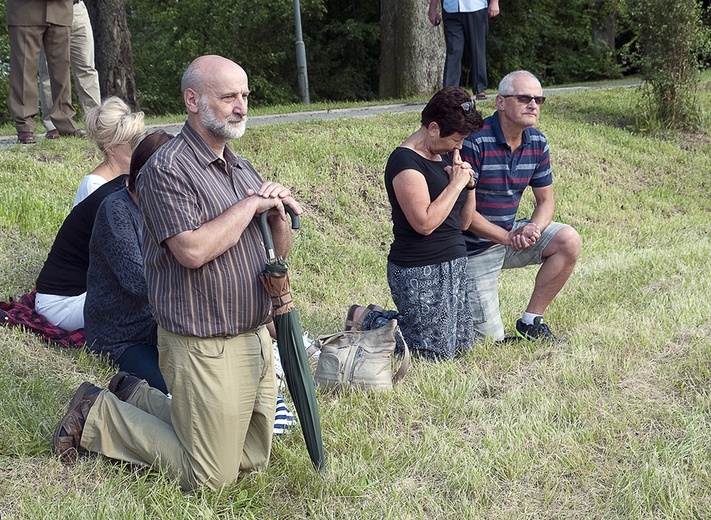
(525,99)
(468,107)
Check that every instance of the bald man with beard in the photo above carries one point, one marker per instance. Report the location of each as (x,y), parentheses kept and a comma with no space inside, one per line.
(202,253)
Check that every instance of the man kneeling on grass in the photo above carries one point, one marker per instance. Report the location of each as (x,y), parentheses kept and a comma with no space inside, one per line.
(203,252)
(508,155)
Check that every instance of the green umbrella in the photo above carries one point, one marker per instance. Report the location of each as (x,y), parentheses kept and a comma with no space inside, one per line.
(290,342)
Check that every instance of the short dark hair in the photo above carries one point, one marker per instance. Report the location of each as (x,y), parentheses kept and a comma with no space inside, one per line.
(142,152)
(445,109)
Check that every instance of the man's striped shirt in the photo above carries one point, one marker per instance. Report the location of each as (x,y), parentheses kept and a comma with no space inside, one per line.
(182,186)
(502,175)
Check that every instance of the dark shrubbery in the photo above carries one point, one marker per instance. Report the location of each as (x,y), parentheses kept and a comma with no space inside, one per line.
(341,39)
(671,47)
(167,36)
(557,41)
(560,42)
(4,68)
(343,49)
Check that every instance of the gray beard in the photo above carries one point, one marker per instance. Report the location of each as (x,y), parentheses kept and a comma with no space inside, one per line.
(225,129)
(222,129)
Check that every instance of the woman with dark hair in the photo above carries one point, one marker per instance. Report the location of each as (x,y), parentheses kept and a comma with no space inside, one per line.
(431,192)
(118,321)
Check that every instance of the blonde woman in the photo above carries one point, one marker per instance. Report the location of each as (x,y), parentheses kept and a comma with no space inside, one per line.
(112,126)
(61,284)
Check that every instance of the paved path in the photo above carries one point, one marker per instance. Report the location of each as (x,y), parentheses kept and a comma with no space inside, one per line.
(341,113)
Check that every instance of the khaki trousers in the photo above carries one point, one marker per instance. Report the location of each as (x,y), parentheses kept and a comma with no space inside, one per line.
(25,42)
(81,58)
(218,423)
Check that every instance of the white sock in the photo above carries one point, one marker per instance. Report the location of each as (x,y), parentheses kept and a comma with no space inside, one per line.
(528,317)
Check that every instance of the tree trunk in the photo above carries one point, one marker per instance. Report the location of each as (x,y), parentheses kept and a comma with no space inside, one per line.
(411,50)
(603,28)
(112,46)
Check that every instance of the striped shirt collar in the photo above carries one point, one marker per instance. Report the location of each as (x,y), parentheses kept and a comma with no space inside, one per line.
(203,153)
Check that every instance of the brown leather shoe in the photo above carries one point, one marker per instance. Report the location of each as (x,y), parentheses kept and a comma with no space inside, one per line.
(123,384)
(77,133)
(52,134)
(355,316)
(67,434)
(26,138)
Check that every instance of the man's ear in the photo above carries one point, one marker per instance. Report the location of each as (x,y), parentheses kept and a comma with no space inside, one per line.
(191,99)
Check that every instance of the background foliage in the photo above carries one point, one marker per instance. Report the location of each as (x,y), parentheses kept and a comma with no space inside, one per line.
(4,67)
(552,39)
(341,39)
(671,47)
(558,41)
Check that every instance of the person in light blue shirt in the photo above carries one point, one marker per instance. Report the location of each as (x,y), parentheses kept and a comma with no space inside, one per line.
(466,24)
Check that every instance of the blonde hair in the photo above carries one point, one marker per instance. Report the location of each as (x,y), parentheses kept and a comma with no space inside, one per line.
(113,123)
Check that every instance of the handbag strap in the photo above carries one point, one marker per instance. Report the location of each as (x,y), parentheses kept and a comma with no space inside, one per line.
(405,359)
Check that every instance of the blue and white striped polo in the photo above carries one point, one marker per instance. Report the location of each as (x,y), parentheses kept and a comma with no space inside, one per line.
(502,175)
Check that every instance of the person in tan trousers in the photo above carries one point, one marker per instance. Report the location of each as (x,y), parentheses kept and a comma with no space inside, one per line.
(81,57)
(215,353)
(31,24)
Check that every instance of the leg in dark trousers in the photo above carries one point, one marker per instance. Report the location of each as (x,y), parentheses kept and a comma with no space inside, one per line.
(453,24)
(141,360)
(476,30)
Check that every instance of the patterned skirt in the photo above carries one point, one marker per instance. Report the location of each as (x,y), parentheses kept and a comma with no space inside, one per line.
(436,317)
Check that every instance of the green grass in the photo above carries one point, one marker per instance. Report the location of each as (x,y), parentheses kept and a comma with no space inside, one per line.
(614,422)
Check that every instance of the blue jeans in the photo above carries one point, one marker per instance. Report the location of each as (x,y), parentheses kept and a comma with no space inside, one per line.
(141,360)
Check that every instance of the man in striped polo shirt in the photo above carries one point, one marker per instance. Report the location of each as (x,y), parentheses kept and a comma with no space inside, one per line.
(507,155)
(202,255)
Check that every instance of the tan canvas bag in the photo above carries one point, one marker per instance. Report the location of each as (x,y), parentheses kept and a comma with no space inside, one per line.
(360,359)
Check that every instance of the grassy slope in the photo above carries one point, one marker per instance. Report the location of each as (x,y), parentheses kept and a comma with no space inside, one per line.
(612,423)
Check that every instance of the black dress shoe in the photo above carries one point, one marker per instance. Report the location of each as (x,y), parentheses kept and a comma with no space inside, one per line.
(26,138)
(52,134)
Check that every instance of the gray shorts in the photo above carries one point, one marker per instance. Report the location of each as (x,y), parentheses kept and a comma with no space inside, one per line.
(483,278)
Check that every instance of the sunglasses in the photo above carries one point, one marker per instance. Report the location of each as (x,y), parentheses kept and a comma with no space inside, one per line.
(525,99)
(468,107)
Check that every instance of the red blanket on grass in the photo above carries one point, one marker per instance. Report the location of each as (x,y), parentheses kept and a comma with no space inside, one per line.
(22,312)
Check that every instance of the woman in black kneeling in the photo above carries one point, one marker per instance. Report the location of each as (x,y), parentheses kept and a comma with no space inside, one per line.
(431,191)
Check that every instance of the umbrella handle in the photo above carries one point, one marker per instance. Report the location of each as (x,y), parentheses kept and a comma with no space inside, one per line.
(267,232)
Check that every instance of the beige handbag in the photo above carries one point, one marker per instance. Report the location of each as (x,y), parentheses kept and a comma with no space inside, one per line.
(360,359)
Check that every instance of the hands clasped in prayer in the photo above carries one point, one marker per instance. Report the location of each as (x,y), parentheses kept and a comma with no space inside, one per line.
(460,173)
